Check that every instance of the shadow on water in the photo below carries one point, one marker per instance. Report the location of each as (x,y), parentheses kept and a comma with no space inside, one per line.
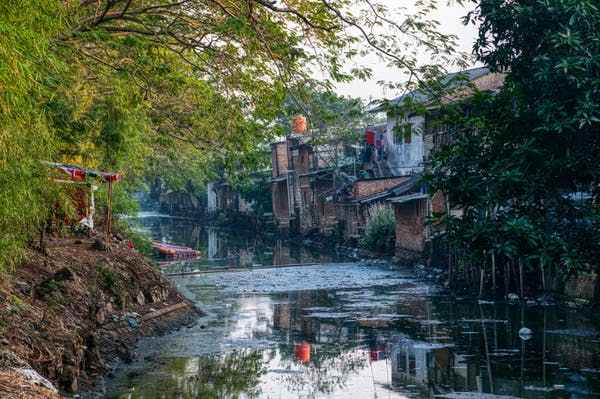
(358,330)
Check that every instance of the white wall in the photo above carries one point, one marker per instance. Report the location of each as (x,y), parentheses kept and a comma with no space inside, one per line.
(403,158)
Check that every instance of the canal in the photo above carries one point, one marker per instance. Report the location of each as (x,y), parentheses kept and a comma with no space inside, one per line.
(342,328)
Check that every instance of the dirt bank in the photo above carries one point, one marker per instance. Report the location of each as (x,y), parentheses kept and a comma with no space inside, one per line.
(73,312)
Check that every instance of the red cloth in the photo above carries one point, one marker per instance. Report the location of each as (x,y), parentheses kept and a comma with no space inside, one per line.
(111,177)
(75,173)
(370,137)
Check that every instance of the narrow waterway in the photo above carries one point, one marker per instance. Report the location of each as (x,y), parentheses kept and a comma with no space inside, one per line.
(347,329)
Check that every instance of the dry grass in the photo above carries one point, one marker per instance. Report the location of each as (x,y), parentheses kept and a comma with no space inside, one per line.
(14,386)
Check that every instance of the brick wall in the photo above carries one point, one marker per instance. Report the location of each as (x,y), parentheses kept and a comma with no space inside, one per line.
(303,161)
(364,188)
(279,158)
(410,225)
(280,203)
(438,203)
(349,215)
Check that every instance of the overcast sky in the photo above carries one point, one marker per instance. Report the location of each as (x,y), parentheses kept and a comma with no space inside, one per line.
(449,17)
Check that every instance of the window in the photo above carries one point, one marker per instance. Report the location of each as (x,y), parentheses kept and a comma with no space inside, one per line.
(403,133)
(408,135)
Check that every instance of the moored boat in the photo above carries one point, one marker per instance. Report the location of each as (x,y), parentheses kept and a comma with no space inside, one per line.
(174,251)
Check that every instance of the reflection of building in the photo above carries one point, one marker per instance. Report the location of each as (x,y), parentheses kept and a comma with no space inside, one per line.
(431,366)
(293,318)
(213,244)
(281,254)
(222,197)
(421,362)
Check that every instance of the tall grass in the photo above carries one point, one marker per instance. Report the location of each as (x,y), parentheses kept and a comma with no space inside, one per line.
(380,231)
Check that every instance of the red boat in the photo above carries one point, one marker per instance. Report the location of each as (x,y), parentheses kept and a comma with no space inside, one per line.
(174,251)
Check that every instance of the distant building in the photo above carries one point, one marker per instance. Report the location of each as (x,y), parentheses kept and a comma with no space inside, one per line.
(222,197)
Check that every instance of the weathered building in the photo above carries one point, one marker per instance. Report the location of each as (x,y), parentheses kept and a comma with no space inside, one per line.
(292,162)
(353,208)
(409,144)
(222,197)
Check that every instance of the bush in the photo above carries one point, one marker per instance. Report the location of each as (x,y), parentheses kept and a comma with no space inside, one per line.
(380,232)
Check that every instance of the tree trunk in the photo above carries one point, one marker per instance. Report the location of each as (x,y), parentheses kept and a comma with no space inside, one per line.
(521,278)
(494,271)
(481,280)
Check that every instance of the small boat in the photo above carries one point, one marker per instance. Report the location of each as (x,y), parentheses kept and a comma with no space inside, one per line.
(174,251)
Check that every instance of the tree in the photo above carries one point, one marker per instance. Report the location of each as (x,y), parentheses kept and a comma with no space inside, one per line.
(149,87)
(522,161)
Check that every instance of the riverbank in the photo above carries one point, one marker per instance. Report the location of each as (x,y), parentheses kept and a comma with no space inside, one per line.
(74,312)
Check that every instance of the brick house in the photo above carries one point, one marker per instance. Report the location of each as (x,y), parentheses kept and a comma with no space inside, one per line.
(353,209)
(300,188)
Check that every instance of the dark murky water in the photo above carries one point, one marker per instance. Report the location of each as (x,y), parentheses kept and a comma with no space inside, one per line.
(350,330)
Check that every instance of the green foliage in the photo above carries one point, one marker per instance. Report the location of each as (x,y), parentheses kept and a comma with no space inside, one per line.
(257,191)
(16,304)
(141,241)
(156,89)
(380,232)
(26,68)
(518,157)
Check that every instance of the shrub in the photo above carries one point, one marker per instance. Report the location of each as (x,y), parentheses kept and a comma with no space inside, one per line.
(380,232)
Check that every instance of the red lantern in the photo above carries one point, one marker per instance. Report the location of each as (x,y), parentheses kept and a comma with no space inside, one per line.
(302,352)
(299,124)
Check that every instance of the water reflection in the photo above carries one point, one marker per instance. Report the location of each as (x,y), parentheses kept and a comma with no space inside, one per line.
(364,335)
(212,377)
(223,247)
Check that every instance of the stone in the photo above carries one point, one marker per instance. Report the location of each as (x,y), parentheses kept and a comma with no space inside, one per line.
(513,297)
(100,316)
(141,299)
(525,333)
(100,244)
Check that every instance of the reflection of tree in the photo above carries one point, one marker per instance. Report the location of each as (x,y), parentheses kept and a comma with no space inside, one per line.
(227,376)
(327,371)
(224,376)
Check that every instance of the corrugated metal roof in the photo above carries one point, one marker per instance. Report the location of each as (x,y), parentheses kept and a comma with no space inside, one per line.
(407,198)
(420,96)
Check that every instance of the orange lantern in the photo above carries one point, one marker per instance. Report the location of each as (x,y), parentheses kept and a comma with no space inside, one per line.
(302,352)
(299,124)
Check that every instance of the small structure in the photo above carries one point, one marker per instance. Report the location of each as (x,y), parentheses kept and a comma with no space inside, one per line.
(292,161)
(354,207)
(79,175)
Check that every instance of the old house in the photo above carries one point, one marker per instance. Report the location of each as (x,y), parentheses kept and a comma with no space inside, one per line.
(222,197)
(293,162)
(409,143)
(353,207)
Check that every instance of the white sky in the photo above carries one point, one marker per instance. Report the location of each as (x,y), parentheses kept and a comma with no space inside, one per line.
(449,17)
